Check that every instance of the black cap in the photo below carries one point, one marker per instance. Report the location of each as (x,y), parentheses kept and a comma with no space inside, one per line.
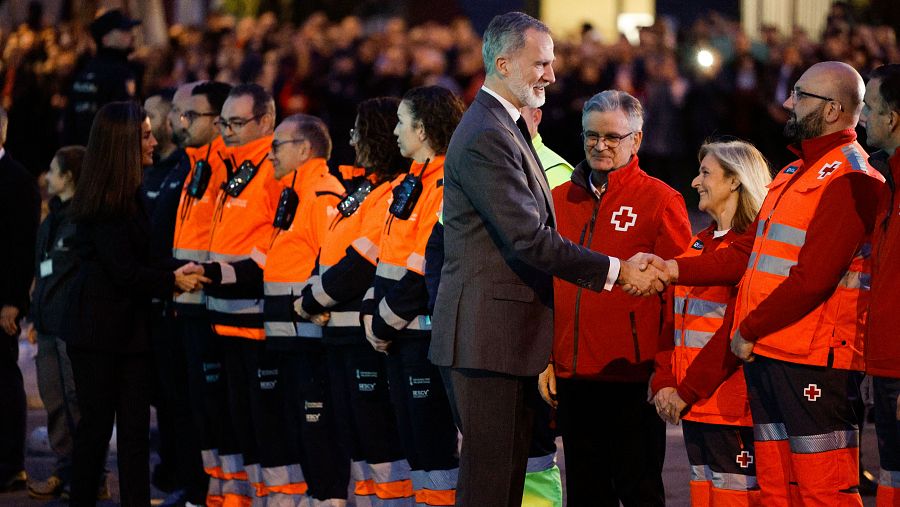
(111,20)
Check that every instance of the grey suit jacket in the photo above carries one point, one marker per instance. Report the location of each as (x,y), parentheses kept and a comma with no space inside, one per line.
(494,308)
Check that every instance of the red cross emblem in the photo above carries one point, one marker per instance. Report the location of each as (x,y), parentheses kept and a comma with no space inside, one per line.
(744,459)
(828,169)
(624,210)
(812,392)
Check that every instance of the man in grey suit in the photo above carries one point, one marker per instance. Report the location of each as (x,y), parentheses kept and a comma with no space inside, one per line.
(493,320)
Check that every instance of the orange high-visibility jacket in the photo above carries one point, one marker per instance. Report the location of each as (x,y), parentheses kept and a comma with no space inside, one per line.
(346,266)
(239,240)
(838,323)
(699,313)
(400,298)
(292,255)
(194,219)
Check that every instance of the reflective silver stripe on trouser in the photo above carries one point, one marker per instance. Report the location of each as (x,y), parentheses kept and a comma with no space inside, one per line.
(786,234)
(302,329)
(278,499)
(811,444)
(701,473)
(254,473)
(889,478)
(237,306)
(391,471)
(210,458)
(856,280)
(186,254)
(769,432)
(283,475)
(390,271)
(540,463)
(238,488)
(733,482)
(435,480)
(215,487)
(331,502)
(232,463)
(691,338)
(344,319)
(775,265)
(283,288)
(319,294)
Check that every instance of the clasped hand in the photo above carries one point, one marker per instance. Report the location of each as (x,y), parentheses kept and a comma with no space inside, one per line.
(669,405)
(189,278)
(646,274)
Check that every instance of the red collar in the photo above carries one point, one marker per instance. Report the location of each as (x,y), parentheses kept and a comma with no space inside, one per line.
(813,149)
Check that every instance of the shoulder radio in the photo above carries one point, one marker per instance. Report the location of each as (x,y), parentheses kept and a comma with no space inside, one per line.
(351,203)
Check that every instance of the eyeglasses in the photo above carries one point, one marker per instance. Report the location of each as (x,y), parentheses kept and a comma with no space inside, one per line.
(609,140)
(235,123)
(796,95)
(279,144)
(191,116)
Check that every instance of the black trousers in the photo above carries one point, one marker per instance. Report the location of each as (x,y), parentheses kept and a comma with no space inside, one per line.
(310,423)
(614,442)
(112,389)
(495,413)
(179,448)
(887,427)
(12,394)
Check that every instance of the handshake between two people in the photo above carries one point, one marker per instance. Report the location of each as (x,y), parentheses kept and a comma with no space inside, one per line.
(646,274)
(190,278)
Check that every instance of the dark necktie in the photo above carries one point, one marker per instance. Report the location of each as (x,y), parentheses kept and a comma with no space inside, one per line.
(523,128)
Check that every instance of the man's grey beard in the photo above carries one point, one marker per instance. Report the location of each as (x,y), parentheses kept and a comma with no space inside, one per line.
(809,127)
(523,91)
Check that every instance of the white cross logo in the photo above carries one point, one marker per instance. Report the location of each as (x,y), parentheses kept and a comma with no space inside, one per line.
(812,392)
(744,459)
(828,169)
(632,218)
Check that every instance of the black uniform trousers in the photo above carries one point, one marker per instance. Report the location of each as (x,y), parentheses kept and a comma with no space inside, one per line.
(112,389)
(12,423)
(615,443)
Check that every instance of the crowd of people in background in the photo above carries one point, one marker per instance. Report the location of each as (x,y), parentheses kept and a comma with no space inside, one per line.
(324,67)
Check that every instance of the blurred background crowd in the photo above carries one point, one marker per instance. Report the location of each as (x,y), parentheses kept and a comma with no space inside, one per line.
(695,80)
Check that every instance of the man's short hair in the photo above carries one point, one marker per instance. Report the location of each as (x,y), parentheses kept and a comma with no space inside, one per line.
(889,89)
(165,95)
(616,100)
(4,123)
(263,103)
(313,130)
(215,92)
(505,35)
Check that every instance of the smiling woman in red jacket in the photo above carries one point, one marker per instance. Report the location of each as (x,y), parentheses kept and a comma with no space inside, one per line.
(701,371)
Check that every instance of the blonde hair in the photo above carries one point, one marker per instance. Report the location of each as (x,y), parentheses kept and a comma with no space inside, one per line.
(741,160)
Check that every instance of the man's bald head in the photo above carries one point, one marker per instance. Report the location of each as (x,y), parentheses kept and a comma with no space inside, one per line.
(826,99)
(181,103)
(840,82)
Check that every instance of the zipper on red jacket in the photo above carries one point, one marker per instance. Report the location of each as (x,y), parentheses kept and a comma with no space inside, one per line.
(590,239)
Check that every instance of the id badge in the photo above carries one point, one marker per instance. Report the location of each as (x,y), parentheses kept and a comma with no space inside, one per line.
(46,268)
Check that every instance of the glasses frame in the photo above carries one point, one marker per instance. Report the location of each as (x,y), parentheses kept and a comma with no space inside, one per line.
(190,116)
(278,144)
(236,123)
(611,141)
(796,95)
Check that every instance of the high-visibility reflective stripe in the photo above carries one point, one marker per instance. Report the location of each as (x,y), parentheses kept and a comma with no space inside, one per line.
(217,257)
(700,473)
(751,260)
(186,254)
(390,318)
(331,502)
(856,280)
(191,298)
(700,307)
(232,464)
(786,234)
(416,263)
(214,472)
(420,323)
(366,248)
(323,269)
(775,265)
(237,488)
(301,329)
(770,431)
(237,306)
(733,482)
(394,502)
(359,471)
(254,473)
(691,338)
(760,227)
(214,497)
(283,288)
(343,319)
(435,479)
(889,478)
(390,271)
(811,444)
(240,332)
(284,499)
(857,162)
(392,479)
(370,294)
(258,257)
(540,463)
(210,458)
(319,294)
(228,274)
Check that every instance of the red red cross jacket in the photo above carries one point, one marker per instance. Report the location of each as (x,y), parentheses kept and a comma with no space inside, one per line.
(610,335)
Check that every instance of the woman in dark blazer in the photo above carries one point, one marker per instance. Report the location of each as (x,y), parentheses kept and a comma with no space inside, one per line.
(107,333)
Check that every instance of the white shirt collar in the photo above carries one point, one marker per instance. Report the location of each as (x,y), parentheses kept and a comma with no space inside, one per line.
(511,109)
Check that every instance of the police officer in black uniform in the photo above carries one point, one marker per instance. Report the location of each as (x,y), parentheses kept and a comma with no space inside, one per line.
(107,77)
